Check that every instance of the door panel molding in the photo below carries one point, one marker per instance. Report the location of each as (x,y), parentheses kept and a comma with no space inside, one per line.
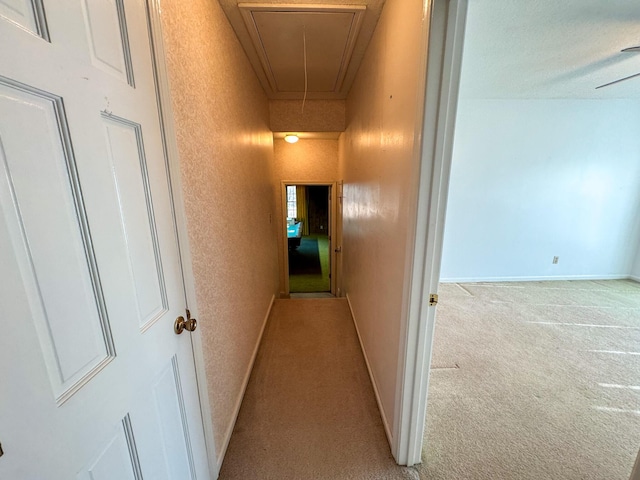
(171,418)
(109,40)
(118,457)
(48,246)
(128,162)
(33,188)
(32,19)
(133,449)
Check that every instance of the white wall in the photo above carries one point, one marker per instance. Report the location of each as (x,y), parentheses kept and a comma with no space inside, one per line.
(534,179)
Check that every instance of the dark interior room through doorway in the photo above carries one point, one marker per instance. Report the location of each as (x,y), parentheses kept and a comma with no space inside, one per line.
(308,225)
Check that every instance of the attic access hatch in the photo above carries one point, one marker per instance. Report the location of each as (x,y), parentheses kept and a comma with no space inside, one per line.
(282,33)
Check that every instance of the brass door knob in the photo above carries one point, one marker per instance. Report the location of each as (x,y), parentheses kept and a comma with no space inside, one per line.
(180,325)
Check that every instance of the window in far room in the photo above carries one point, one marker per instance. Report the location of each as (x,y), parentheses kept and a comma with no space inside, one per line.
(292,208)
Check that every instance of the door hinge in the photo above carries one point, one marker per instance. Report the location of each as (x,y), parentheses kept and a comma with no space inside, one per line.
(433,299)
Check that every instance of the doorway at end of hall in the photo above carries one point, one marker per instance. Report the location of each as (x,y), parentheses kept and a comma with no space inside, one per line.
(308,238)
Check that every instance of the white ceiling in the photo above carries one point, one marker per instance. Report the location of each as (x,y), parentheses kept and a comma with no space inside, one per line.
(550,49)
(336,40)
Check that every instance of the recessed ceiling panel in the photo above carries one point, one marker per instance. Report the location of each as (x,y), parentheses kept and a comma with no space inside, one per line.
(293,40)
(285,35)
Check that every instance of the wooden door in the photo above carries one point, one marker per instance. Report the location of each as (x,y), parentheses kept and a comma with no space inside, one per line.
(94,382)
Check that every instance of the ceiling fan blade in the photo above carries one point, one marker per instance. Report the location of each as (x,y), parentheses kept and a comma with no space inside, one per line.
(635,49)
(618,81)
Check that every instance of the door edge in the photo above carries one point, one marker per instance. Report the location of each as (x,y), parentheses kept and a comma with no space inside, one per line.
(444,30)
(172,157)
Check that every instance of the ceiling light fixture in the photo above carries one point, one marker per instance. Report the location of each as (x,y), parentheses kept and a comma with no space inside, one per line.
(291,138)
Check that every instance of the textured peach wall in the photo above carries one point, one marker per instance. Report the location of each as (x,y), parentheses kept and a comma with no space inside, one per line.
(379,165)
(309,160)
(226,152)
(318,116)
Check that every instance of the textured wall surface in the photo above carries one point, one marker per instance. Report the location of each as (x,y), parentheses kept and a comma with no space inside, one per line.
(534,179)
(318,116)
(226,151)
(309,160)
(379,165)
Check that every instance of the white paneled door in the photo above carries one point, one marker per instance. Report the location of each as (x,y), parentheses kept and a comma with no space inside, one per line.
(94,383)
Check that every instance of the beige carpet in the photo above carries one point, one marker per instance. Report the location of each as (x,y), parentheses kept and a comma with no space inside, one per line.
(535,380)
(309,411)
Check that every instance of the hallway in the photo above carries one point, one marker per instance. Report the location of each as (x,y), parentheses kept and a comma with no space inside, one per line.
(309,410)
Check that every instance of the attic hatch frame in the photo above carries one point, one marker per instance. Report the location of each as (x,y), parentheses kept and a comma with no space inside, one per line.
(247,11)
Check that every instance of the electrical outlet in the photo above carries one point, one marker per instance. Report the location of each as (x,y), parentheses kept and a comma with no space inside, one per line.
(555,260)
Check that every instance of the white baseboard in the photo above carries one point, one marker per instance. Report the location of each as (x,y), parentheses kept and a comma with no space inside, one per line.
(245,382)
(635,278)
(387,430)
(532,278)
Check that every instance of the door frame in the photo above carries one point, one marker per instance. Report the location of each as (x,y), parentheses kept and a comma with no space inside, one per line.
(443,65)
(172,159)
(332,230)
(338,236)
(635,472)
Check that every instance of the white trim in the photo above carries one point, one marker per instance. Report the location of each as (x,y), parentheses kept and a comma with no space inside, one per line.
(245,382)
(533,278)
(385,423)
(414,235)
(171,150)
(284,293)
(635,473)
(333,233)
(337,251)
(635,278)
(444,58)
